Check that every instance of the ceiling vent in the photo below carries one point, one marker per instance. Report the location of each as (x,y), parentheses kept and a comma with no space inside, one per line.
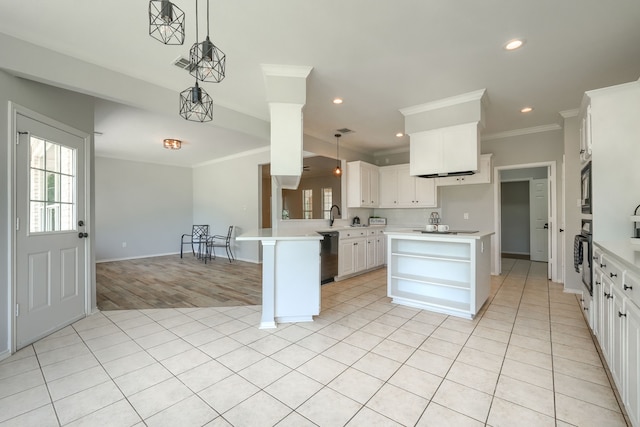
(344,130)
(183,63)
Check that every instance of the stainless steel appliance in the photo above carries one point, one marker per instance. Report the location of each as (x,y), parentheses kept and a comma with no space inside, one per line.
(329,256)
(583,254)
(586,189)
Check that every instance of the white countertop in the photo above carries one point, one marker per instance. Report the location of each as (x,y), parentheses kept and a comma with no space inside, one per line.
(270,234)
(623,249)
(414,232)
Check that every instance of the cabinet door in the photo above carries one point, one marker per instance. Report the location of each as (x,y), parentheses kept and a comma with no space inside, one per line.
(406,189)
(346,263)
(605,336)
(360,254)
(460,147)
(631,396)
(597,302)
(371,252)
(426,196)
(388,177)
(618,323)
(365,187)
(374,189)
(381,253)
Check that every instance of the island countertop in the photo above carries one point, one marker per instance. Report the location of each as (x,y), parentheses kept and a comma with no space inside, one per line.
(452,234)
(271,234)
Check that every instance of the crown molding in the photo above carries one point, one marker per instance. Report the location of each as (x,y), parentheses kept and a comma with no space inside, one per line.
(446,102)
(286,70)
(520,132)
(567,114)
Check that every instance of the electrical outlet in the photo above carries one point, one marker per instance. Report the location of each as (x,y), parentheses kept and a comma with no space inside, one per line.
(466,215)
(124,244)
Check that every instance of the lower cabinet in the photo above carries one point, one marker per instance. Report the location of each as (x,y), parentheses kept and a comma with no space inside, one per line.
(361,250)
(616,324)
(632,341)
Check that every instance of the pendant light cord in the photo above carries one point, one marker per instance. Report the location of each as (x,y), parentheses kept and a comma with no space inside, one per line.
(207,18)
(196,21)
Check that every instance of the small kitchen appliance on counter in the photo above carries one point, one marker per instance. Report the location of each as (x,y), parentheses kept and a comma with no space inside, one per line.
(635,238)
(355,221)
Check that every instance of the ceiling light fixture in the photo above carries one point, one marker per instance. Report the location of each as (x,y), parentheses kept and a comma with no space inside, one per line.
(514,44)
(399,134)
(166,22)
(338,170)
(196,104)
(208,61)
(172,144)
(337,101)
(526,110)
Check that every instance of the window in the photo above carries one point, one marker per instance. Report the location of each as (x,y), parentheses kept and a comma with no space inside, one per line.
(307,204)
(51,186)
(327,202)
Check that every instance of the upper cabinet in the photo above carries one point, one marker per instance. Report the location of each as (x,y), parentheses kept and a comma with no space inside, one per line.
(585,131)
(445,150)
(483,176)
(362,185)
(398,189)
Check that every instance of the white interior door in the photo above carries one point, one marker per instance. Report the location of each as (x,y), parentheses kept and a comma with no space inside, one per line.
(538,196)
(50,231)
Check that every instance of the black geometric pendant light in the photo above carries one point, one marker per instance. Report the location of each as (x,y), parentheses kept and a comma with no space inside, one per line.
(196,104)
(338,170)
(166,22)
(208,61)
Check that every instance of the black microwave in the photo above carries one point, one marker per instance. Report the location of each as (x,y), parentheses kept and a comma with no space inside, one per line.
(586,189)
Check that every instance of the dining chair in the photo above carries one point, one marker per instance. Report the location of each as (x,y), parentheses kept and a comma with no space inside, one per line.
(220,241)
(198,236)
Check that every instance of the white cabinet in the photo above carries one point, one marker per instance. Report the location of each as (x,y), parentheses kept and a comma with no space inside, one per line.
(585,132)
(483,176)
(362,185)
(617,327)
(361,249)
(398,189)
(631,394)
(443,274)
(445,150)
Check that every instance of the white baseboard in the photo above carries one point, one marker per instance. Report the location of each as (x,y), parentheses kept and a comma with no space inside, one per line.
(135,257)
(4,354)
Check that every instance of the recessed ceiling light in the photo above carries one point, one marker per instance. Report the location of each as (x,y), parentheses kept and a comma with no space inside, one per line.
(399,134)
(526,110)
(337,101)
(514,44)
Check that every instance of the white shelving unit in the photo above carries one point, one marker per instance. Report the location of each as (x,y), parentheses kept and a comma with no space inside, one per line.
(444,273)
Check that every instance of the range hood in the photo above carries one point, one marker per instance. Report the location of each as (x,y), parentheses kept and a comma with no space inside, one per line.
(445,136)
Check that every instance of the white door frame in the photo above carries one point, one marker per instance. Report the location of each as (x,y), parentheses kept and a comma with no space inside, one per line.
(553,215)
(12,137)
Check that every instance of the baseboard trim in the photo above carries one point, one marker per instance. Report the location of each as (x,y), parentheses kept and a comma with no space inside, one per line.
(516,255)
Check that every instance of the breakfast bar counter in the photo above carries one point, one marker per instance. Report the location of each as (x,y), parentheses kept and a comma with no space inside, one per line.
(290,275)
(443,272)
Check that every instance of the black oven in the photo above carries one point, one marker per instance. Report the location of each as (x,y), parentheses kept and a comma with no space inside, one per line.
(586,189)
(583,254)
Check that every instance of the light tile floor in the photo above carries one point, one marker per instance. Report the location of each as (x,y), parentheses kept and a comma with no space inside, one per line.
(526,360)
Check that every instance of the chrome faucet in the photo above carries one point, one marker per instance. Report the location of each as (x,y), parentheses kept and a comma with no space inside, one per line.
(331,219)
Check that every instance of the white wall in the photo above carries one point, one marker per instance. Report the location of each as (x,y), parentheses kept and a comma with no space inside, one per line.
(515,217)
(225,193)
(572,211)
(66,107)
(145,206)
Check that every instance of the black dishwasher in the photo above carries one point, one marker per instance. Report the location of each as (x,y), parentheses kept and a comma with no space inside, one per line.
(328,256)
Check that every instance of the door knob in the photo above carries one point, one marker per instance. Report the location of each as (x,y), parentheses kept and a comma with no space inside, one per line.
(81,235)
(546,226)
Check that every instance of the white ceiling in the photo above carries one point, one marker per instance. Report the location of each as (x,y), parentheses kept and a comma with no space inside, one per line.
(379,55)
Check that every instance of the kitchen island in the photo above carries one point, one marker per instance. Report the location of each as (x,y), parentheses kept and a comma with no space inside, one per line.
(290,275)
(447,273)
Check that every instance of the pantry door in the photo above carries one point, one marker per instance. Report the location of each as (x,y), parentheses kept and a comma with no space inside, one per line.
(50,229)
(538,199)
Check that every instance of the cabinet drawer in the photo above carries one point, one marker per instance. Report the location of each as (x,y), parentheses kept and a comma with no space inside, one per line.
(612,270)
(350,234)
(631,286)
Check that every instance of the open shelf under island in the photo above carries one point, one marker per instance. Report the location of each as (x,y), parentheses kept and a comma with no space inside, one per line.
(446,273)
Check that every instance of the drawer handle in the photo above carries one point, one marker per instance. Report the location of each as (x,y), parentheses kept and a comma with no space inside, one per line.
(627,288)
(613,274)
(606,295)
(595,258)
(586,309)
(598,283)
(603,265)
(621,314)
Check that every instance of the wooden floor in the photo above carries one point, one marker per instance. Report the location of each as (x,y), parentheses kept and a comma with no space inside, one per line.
(168,281)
